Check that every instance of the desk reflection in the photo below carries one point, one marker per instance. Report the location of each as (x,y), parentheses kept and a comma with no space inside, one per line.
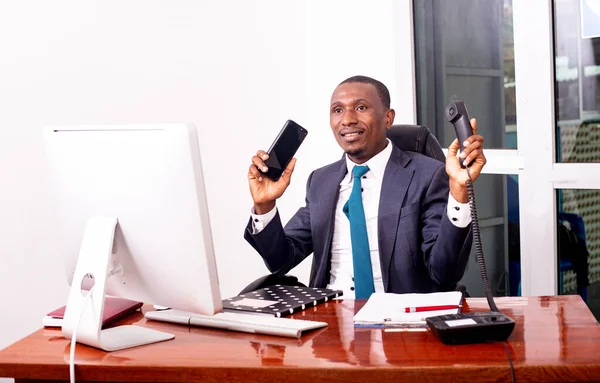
(343,343)
(269,354)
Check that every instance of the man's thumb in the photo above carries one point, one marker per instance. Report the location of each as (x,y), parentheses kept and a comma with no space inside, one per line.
(287,173)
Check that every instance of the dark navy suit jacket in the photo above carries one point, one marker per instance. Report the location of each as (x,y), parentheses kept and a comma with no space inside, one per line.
(420,250)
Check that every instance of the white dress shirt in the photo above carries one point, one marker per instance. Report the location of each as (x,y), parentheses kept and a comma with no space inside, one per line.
(342,269)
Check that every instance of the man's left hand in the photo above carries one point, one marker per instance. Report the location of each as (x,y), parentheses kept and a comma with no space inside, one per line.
(473,155)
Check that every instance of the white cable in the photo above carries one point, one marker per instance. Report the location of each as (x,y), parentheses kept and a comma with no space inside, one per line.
(116,270)
(74,337)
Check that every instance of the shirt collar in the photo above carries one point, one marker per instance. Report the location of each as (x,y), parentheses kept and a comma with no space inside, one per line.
(376,164)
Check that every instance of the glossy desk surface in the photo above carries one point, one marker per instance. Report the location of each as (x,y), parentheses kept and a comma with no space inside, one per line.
(556,339)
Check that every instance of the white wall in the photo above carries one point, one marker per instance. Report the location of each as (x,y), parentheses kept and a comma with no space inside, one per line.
(237,69)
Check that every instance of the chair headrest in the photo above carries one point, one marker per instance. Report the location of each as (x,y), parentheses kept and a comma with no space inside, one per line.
(416,138)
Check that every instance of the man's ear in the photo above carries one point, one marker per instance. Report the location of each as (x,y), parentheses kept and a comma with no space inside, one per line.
(389,118)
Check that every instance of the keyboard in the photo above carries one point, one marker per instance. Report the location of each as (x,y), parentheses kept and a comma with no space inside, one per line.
(257,324)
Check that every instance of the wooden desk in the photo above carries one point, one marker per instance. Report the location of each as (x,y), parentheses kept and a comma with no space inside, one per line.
(555,339)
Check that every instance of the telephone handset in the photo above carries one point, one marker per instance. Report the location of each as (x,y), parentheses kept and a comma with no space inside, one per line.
(456,113)
(473,327)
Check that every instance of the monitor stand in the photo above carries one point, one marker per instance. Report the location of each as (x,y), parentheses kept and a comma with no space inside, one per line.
(83,314)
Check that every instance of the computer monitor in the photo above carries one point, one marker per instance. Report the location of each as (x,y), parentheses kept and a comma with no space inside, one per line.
(134,221)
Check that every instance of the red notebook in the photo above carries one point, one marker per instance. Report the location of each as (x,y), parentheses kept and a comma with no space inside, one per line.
(114,309)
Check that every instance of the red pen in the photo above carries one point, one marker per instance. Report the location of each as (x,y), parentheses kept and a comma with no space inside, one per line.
(429,308)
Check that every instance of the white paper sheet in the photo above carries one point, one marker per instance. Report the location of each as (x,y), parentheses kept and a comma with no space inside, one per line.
(390,308)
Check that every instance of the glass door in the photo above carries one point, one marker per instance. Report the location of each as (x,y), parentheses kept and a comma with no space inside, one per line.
(557,69)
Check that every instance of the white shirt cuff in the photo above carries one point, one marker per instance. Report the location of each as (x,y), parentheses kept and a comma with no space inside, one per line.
(458,213)
(260,221)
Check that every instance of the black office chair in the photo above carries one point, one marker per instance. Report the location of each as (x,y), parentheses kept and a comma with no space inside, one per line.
(413,138)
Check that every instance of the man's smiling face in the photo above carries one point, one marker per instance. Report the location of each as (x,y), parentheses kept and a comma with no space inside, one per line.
(359,120)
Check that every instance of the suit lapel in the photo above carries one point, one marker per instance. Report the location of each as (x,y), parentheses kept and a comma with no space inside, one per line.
(330,191)
(395,184)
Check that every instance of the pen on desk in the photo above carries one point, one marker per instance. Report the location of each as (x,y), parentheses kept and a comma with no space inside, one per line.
(405,325)
(429,308)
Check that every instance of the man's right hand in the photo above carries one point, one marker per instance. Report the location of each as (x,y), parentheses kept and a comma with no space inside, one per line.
(264,190)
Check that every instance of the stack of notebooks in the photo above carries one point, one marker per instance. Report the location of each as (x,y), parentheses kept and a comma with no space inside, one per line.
(387,310)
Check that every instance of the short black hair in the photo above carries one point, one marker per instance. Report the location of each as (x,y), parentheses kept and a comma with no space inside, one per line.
(382,90)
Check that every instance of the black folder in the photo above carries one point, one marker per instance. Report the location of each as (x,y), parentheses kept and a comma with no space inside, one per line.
(279,300)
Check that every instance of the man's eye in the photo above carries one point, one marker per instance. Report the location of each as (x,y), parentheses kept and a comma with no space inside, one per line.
(337,110)
(361,107)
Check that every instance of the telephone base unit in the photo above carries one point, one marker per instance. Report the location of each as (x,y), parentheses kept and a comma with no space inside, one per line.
(477,327)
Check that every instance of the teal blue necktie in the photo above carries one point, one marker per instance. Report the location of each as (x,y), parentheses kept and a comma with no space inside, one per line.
(354,210)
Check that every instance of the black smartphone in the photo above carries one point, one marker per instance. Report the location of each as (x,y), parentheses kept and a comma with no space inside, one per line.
(283,148)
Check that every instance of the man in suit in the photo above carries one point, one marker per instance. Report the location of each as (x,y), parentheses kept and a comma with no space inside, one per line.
(415,210)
